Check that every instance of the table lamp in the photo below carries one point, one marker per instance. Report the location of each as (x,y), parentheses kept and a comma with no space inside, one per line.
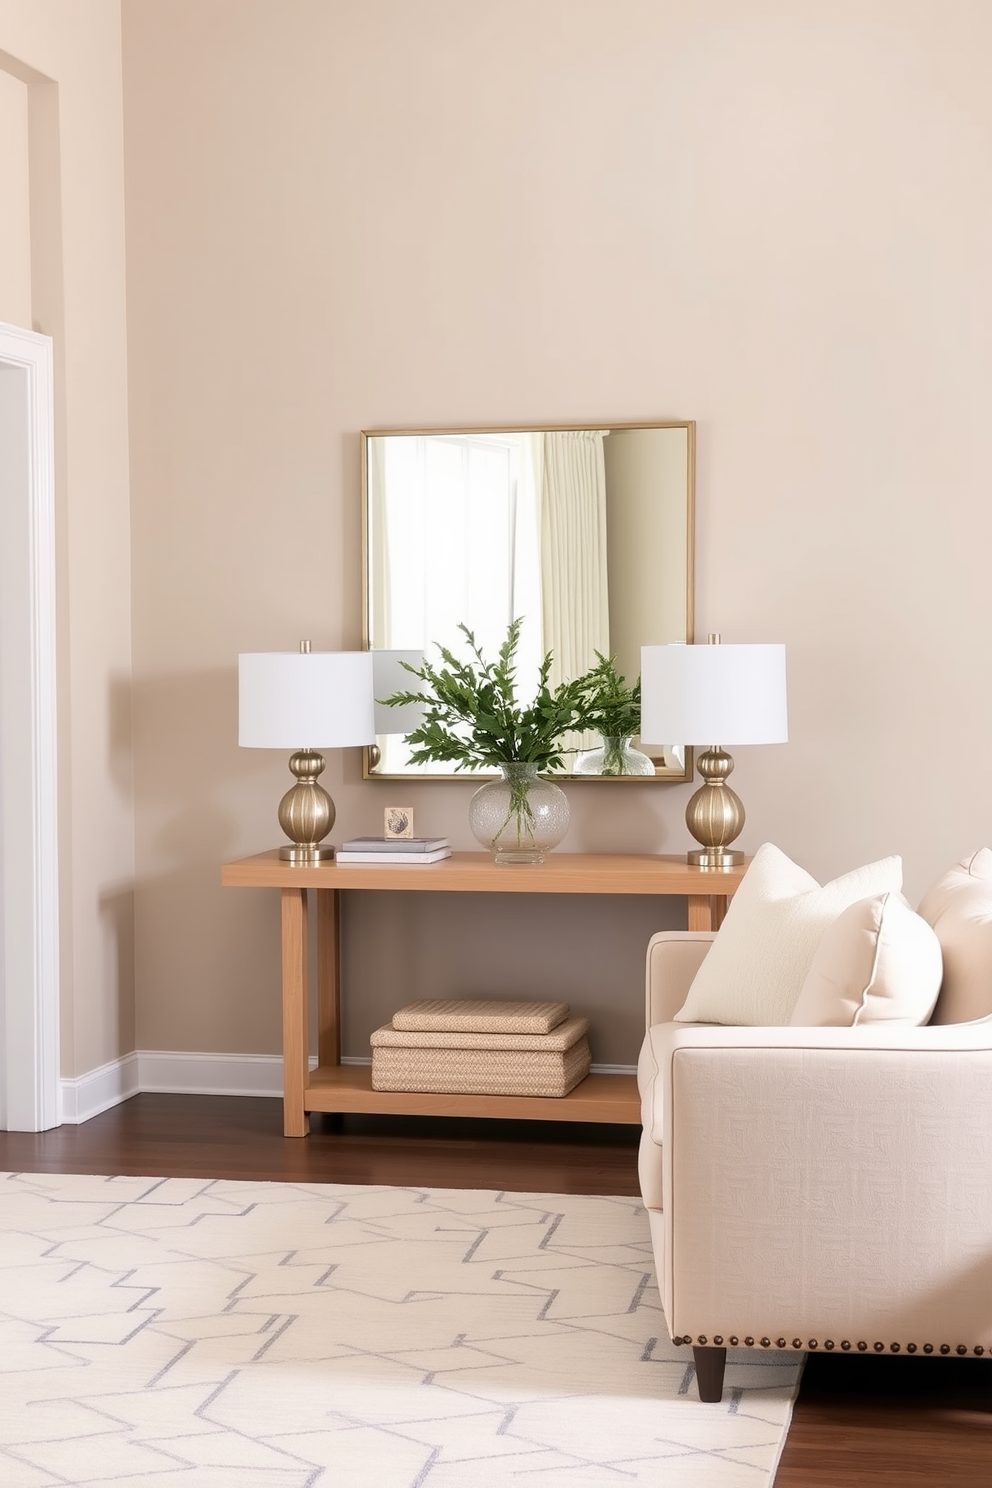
(305,701)
(698,694)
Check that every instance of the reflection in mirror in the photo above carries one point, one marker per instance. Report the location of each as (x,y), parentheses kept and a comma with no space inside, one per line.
(585,533)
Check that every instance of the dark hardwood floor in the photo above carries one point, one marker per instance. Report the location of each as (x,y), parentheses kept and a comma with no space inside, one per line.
(883,1422)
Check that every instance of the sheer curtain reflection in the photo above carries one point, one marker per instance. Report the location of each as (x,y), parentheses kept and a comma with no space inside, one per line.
(568,469)
(451,543)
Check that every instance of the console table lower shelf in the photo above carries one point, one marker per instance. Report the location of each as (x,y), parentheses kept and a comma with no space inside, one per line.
(348,1088)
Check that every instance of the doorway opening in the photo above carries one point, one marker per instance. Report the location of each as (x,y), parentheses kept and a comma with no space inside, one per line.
(30,1097)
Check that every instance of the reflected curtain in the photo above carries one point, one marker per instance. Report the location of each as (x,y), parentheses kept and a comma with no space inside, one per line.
(575,599)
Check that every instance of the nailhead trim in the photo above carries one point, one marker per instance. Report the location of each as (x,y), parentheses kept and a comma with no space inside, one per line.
(829,1344)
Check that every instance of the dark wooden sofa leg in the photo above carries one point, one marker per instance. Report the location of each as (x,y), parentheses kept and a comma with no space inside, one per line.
(710,1364)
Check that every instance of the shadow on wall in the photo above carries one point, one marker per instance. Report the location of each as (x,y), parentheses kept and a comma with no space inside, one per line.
(619,817)
(208,963)
(117,916)
(180,783)
(584,949)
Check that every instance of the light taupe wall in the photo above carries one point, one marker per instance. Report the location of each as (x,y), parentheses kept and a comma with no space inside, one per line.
(15,226)
(66,59)
(770,218)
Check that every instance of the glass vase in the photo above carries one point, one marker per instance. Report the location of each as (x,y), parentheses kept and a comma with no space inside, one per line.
(616,755)
(519,817)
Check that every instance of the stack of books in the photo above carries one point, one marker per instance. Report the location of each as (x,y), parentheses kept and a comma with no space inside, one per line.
(393,850)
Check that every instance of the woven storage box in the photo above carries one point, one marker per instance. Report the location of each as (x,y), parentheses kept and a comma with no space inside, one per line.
(476,1063)
(477,1015)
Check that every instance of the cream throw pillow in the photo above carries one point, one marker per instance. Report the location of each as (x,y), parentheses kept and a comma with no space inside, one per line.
(959,907)
(877,963)
(755,969)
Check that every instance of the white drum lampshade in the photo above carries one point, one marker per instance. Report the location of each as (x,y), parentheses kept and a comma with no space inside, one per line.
(714,695)
(305,701)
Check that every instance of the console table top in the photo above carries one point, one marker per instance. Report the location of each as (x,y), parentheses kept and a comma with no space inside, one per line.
(475,872)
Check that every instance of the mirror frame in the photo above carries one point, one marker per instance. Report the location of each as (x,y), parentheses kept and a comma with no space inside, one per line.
(665,774)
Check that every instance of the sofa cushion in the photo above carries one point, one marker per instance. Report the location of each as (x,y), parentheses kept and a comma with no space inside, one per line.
(877,963)
(757,964)
(959,907)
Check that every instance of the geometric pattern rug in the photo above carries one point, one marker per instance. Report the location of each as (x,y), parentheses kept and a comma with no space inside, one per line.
(186,1333)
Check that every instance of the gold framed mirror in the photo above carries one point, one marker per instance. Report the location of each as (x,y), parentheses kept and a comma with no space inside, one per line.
(584,531)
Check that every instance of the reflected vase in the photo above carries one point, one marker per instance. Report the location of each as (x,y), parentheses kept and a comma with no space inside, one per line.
(519,817)
(615,755)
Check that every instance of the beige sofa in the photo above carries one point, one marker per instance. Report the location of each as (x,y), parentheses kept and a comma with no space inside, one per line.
(816,1188)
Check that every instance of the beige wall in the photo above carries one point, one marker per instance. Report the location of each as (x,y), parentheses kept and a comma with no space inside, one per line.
(15,219)
(771,218)
(66,59)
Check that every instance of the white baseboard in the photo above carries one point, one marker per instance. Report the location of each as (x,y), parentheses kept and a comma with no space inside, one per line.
(99,1089)
(164,1072)
(167,1073)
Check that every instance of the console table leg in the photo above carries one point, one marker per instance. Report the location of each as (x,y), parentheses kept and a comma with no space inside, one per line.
(328,988)
(706,911)
(294,1012)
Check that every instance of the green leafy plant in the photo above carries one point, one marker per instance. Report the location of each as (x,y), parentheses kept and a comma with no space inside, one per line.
(473,716)
(611,708)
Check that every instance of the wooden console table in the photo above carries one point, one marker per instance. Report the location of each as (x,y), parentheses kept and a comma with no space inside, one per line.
(336,1087)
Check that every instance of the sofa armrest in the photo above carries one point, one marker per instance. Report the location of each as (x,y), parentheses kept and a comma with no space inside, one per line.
(826,1184)
(674,957)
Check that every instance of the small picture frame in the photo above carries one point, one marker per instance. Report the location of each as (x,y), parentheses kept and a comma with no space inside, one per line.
(398,821)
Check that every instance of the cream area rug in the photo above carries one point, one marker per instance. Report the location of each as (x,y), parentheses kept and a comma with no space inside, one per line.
(173,1332)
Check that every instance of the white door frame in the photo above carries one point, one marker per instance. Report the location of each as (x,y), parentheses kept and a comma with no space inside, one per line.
(30,1095)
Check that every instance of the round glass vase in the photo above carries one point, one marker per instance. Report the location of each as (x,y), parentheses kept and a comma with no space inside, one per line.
(616,755)
(519,817)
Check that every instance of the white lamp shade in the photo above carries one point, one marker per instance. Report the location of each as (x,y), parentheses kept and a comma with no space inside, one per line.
(305,699)
(713,695)
(390,675)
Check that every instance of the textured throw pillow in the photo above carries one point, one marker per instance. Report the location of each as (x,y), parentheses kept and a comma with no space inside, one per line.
(877,963)
(755,969)
(959,907)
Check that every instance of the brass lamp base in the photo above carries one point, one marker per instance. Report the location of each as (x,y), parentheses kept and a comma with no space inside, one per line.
(303,855)
(704,857)
(715,814)
(306,812)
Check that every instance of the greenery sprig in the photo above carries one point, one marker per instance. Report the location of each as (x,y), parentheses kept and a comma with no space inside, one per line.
(473,717)
(611,707)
